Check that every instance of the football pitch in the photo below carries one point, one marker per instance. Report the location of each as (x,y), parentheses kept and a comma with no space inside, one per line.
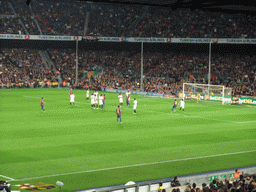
(86,148)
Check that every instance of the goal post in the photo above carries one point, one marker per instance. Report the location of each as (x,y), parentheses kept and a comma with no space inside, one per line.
(207,92)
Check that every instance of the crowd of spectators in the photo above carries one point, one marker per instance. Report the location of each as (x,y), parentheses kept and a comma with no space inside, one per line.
(185,23)
(241,184)
(106,19)
(109,20)
(238,183)
(23,66)
(113,20)
(60,18)
(11,25)
(25,14)
(5,8)
(164,72)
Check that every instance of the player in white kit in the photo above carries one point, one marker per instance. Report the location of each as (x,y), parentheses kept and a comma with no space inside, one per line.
(87,94)
(101,101)
(96,99)
(182,105)
(92,101)
(134,106)
(72,99)
(120,98)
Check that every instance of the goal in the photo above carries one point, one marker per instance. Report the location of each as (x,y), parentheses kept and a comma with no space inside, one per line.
(207,92)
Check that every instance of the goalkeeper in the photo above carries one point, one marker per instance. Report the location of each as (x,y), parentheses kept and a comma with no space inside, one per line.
(198,97)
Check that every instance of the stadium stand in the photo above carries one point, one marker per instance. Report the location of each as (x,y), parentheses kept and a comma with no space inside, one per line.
(194,24)
(164,73)
(24,12)
(52,21)
(126,21)
(24,67)
(222,182)
(113,20)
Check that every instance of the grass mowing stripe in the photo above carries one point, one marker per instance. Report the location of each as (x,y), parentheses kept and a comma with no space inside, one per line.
(152,135)
(136,165)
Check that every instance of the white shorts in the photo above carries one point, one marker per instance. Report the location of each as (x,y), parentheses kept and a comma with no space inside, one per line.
(121,101)
(182,106)
(72,100)
(87,95)
(135,106)
(100,103)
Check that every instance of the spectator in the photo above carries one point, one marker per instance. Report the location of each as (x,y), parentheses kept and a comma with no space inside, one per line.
(175,182)
(237,173)
(161,188)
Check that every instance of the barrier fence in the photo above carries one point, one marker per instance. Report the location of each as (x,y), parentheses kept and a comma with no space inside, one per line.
(153,185)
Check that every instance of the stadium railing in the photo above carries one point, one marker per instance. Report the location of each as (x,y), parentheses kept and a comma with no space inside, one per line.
(153,185)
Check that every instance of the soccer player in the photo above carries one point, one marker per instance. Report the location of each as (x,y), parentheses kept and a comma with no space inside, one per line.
(92,101)
(118,113)
(182,105)
(87,94)
(128,97)
(70,92)
(174,105)
(104,97)
(198,97)
(120,97)
(101,101)
(42,104)
(96,99)
(72,99)
(134,106)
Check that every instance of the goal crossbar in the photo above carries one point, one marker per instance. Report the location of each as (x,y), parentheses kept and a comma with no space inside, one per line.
(208,87)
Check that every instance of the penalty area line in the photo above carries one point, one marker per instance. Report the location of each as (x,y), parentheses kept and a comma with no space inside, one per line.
(136,165)
(7,177)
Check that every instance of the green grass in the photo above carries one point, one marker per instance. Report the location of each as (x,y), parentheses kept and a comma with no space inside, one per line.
(87,148)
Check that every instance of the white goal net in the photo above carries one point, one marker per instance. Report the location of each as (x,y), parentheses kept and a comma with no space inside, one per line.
(207,92)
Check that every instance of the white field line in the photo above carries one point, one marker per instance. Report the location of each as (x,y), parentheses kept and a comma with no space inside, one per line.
(222,120)
(136,165)
(207,118)
(247,122)
(7,177)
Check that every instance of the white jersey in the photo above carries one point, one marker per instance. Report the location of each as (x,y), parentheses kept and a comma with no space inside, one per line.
(120,97)
(128,94)
(87,93)
(96,99)
(96,93)
(92,99)
(72,98)
(182,104)
(135,104)
(100,100)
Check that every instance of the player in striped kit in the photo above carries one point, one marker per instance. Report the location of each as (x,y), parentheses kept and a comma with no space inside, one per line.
(128,97)
(104,97)
(42,104)
(118,114)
